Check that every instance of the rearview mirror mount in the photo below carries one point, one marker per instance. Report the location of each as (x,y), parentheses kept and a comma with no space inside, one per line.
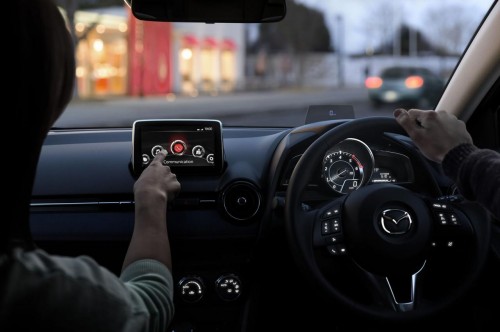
(209,11)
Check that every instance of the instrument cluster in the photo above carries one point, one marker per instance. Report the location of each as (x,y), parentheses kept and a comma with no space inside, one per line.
(352,164)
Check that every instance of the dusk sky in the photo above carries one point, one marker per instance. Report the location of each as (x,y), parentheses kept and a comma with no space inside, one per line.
(356,13)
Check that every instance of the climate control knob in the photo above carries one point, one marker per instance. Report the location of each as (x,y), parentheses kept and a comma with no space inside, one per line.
(228,287)
(191,289)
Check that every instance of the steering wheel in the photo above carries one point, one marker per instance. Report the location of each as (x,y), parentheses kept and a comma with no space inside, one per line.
(384,250)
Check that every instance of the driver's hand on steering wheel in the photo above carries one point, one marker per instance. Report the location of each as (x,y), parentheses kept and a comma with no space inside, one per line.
(434,132)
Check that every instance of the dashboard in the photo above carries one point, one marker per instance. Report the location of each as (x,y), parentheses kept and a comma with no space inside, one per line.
(226,226)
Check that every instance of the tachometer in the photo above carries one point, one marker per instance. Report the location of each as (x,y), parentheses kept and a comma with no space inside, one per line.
(347,166)
(342,171)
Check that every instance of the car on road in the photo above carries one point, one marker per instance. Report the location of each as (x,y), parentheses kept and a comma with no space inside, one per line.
(408,86)
(288,173)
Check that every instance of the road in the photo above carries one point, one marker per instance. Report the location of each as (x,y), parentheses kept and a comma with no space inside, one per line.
(282,108)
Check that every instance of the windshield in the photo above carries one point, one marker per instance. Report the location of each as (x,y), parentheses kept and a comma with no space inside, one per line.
(325,57)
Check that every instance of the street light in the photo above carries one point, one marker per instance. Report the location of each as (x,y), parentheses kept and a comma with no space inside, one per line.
(340,50)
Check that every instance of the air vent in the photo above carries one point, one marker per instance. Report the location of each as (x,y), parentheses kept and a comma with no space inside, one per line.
(241,200)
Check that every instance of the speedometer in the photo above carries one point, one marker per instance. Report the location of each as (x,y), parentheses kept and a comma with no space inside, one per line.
(343,171)
(347,166)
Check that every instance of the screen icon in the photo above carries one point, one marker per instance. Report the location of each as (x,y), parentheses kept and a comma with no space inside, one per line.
(156,149)
(198,151)
(178,147)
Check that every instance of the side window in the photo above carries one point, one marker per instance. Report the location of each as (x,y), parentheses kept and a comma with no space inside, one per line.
(484,124)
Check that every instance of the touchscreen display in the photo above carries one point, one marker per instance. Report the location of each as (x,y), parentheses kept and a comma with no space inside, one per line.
(193,146)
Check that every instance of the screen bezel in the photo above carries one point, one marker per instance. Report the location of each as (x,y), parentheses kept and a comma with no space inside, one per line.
(140,126)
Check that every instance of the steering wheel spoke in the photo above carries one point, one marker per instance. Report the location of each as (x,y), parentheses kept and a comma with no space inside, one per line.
(398,293)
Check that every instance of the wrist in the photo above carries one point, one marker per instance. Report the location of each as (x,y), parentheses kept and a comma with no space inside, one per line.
(150,196)
(455,157)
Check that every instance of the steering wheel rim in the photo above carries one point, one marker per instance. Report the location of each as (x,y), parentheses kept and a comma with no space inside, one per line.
(301,226)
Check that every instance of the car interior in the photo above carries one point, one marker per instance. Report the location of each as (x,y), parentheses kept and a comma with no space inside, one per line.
(278,228)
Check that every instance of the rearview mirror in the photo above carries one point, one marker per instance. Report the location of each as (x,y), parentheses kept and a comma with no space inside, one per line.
(209,11)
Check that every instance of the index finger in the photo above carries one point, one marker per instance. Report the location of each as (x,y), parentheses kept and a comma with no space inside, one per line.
(404,119)
(160,156)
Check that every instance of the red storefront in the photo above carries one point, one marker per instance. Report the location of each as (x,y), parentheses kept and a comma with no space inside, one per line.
(118,55)
(150,72)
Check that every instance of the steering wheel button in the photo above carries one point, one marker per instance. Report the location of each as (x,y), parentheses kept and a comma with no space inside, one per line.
(332,250)
(442,218)
(327,215)
(333,239)
(447,218)
(440,206)
(454,220)
(336,226)
(330,213)
(336,250)
(326,227)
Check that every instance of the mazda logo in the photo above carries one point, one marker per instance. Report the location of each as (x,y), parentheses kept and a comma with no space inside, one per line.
(395,221)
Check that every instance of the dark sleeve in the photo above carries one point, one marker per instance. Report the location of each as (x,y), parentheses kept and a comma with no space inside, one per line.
(477,174)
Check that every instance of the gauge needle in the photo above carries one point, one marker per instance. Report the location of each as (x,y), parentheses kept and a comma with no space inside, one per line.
(339,174)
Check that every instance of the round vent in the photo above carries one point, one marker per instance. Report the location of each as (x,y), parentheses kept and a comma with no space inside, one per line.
(241,200)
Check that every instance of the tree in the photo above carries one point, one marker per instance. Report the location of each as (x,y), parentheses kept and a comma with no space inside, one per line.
(380,27)
(302,30)
(412,42)
(451,36)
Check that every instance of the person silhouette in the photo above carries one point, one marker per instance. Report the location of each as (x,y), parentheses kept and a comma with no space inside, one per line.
(40,291)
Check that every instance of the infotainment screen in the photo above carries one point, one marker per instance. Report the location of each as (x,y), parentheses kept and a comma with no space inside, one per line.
(193,146)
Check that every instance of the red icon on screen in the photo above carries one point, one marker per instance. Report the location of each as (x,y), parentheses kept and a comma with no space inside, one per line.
(178,147)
